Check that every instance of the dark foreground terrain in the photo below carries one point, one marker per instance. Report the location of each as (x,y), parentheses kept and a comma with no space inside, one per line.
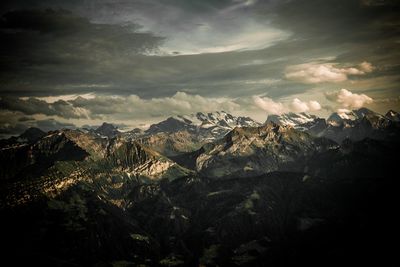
(86,201)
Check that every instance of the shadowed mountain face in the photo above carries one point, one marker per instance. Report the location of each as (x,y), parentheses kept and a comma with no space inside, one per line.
(107,130)
(295,192)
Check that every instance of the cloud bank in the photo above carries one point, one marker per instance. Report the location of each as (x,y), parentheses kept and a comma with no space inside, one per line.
(132,110)
(103,107)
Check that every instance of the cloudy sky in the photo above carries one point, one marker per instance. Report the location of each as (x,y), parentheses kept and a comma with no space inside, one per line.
(135,62)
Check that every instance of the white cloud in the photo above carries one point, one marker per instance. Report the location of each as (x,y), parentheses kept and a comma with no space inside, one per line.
(327,72)
(269,105)
(299,106)
(348,99)
(366,67)
(273,107)
(314,105)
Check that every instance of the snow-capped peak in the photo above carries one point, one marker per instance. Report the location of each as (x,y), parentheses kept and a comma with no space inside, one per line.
(218,118)
(291,119)
(343,115)
(215,124)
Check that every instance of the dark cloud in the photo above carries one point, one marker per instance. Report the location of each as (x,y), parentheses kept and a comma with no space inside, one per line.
(45,49)
(24,119)
(32,106)
(51,124)
(338,20)
(29,107)
(52,52)
(8,130)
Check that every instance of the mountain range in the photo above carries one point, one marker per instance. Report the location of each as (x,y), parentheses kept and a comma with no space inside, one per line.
(355,125)
(204,190)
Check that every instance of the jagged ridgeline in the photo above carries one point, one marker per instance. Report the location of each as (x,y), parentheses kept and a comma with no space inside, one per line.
(204,190)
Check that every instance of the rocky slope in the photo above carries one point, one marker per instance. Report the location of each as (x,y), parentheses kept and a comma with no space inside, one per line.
(140,161)
(334,207)
(251,151)
(63,158)
(172,144)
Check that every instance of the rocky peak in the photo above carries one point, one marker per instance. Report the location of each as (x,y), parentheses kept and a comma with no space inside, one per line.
(208,126)
(393,115)
(91,142)
(171,124)
(247,151)
(31,135)
(292,119)
(219,118)
(336,119)
(57,146)
(269,129)
(363,112)
(107,129)
(354,115)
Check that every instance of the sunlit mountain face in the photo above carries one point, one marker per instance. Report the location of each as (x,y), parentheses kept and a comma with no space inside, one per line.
(199,133)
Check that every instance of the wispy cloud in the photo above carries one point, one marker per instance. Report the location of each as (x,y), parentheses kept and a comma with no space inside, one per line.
(242,34)
(238,4)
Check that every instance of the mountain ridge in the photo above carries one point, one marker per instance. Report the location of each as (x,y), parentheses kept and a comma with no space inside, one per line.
(256,196)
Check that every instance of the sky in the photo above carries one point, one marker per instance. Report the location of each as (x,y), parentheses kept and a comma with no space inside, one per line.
(133,63)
